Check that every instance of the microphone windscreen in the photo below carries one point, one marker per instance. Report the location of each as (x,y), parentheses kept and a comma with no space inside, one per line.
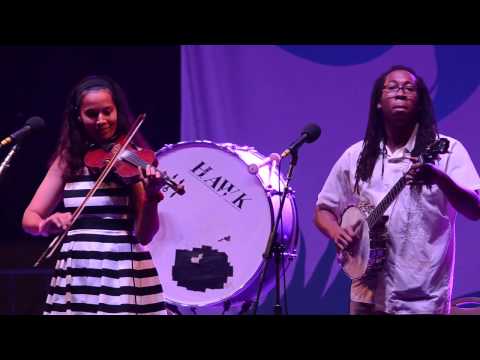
(35,122)
(312,132)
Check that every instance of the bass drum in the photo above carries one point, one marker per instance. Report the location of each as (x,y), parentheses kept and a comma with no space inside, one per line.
(210,244)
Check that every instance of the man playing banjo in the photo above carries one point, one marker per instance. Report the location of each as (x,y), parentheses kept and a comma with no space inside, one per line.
(414,272)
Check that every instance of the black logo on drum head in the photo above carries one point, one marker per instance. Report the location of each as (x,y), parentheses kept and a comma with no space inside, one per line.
(201,269)
(221,186)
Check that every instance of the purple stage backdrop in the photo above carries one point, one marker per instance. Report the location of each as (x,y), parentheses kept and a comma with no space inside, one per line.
(262,96)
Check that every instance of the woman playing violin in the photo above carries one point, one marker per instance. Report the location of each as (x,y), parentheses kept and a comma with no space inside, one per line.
(102,267)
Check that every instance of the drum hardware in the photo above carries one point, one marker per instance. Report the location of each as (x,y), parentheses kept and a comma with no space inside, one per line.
(226,306)
(273,159)
(245,307)
(274,192)
(167,146)
(235,147)
(172,309)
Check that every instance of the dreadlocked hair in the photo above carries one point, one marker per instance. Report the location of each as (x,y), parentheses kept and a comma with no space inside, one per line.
(375,133)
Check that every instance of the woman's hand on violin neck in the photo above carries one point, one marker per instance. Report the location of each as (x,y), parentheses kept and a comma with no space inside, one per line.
(55,224)
(152,180)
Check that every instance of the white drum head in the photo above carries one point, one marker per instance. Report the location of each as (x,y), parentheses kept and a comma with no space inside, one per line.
(211,240)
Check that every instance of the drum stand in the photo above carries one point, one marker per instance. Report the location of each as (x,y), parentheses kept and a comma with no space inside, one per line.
(274,248)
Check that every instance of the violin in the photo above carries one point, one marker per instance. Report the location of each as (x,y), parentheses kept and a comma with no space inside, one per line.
(126,166)
(126,159)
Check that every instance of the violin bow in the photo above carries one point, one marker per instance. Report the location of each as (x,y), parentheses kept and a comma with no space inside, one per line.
(116,153)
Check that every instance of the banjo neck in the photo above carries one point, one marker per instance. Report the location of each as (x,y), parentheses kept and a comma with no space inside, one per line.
(380,209)
(431,153)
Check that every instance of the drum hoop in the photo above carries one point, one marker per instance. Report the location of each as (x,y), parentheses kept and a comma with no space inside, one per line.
(229,148)
(225,147)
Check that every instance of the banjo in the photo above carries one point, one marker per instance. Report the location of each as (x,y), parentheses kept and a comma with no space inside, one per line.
(367,255)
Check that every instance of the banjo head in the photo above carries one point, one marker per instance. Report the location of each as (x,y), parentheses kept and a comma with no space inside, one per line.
(355,261)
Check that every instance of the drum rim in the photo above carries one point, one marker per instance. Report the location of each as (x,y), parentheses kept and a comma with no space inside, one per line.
(230,148)
(226,147)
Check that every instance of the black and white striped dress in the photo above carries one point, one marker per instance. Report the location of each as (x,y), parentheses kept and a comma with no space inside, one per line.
(101,268)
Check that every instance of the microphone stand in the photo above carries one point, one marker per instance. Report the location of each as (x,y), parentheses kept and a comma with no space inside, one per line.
(274,248)
(6,162)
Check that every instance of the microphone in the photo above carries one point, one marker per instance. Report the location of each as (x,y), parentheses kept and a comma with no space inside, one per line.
(253,168)
(310,133)
(32,124)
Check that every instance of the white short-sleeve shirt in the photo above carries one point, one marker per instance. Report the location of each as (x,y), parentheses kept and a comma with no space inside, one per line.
(418,274)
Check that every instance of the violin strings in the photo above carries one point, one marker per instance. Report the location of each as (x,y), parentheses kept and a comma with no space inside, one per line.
(135,160)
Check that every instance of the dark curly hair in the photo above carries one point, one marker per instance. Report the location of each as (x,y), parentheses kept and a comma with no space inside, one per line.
(375,133)
(74,142)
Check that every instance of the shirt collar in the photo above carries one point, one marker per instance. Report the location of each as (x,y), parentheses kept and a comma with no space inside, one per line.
(407,148)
